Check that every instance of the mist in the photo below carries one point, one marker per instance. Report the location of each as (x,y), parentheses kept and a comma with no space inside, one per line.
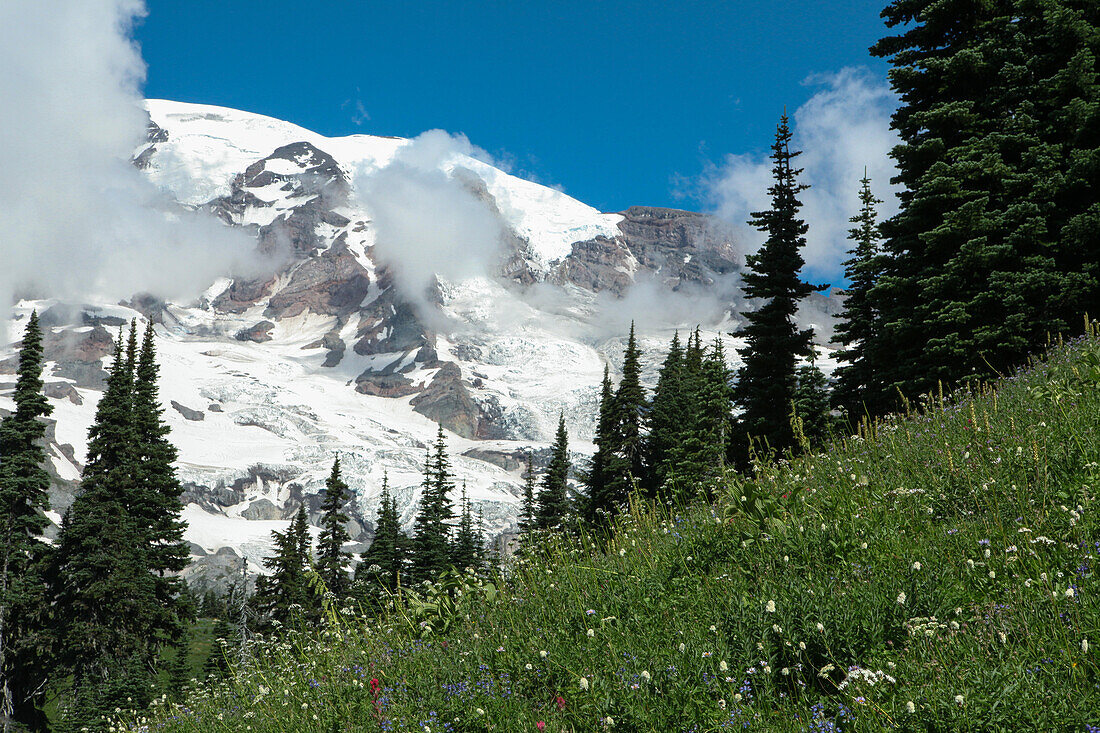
(77,220)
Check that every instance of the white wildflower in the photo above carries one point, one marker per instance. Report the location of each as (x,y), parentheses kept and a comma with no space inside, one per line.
(910,707)
(959,699)
(583,682)
(901,598)
(770,607)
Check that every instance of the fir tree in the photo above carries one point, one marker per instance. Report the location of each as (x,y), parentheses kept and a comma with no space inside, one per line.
(527,513)
(155,504)
(553,500)
(766,381)
(989,251)
(596,477)
(389,548)
(217,661)
(431,545)
(23,499)
(811,404)
(698,455)
(465,550)
(179,673)
(858,326)
(332,561)
(284,595)
(666,412)
(109,614)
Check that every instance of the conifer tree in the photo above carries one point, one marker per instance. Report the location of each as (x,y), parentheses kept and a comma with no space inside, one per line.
(23,499)
(389,548)
(109,615)
(766,381)
(811,404)
(698,455)
(284,595)
(666,413)
(553,499)
(217,661)
(155,505)
(527,512)
(179,673)
(596,477)
(994,244)
(431,545)
(465,550)
(332,561)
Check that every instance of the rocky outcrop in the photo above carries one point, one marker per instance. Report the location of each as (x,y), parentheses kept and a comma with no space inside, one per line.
(390,325)
(187,412)
(447,401)
(257,333)
(384,385)
(332,284)
(678,247)
(63,391)
(262,509)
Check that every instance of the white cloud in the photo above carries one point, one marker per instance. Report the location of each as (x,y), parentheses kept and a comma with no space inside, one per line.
(842,128)
(77,220)
(429,222)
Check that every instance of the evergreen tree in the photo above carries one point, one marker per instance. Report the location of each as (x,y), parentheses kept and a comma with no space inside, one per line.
(284,595)
(23,499)
(994,244)
(217,661)
(179,673)
(766,381)
(527,513)
(811,404)
(332,561)
(109,615)
(596,477)
(389,548)
(698,455)
(553,501)
(858,326)
(465,550)
(155,504)
(431,545)
(666,412)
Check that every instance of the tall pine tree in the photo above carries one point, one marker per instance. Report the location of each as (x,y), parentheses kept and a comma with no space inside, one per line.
(332,561)
(597,500)
(465,552)
(23,499)
(859,325)
(389,548)
(766,381)
(527,511)
(553,500)
(431,543)
(666,412)
(284,595)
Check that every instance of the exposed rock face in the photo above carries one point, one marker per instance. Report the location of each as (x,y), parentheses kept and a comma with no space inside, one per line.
(63,391)
(258,333)
(187,412)
(675,246)
(384,385)
(331,284)
(447,401)
(389,324)
(262,509)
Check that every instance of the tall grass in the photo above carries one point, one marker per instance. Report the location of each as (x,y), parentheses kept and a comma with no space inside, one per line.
(937,572)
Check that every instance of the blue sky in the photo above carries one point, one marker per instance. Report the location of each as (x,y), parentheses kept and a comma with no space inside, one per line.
(619,103)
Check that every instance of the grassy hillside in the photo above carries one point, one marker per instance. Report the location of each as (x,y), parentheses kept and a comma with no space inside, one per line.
(937,573)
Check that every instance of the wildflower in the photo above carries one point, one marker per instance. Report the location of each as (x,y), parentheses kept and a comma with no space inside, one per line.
(802,645)
(863,545)
(560,702)
(540,725)
(959,699)
(590,612)
(583,683)
(737,697)
(645,676)
(916,566)
(821,627)
(528,667)
(724,667)
(901,598)
(609,721)
(771,607)
(1085,646)
(543,654)
(622,552)
(992,574)
(910,707)
(480,711)
(682,647)
(591,633)
(713,627)
(1069,593)
(722,704)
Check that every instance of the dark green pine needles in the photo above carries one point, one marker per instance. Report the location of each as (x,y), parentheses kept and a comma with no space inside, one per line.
(431,543)
(23,499)
(332,561)
(553,500)
(388,550)
(766,381)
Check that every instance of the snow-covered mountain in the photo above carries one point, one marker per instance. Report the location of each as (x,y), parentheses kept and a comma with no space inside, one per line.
(341,351)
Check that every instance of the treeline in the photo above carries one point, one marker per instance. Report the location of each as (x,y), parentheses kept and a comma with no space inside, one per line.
(90,617)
